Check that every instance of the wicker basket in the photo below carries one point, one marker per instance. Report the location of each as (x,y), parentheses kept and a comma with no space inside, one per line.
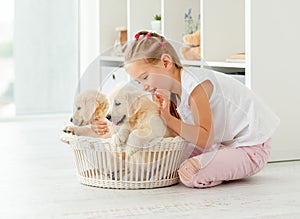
(102,165)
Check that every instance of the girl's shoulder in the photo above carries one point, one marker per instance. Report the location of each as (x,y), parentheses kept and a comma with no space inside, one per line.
(198,74)
(191,77)
(199,71)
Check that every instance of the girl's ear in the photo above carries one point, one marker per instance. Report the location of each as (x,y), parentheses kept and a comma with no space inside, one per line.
(167,61)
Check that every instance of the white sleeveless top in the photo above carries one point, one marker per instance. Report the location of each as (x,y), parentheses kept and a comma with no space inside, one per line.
(239,117)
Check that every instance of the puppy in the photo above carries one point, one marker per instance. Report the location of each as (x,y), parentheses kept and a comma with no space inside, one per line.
(140,127)
(136,116)
(89,105)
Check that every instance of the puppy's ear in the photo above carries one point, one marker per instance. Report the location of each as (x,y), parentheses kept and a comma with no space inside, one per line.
(135,107)
(101,106)
(102,101)
(138,106)
(90,107)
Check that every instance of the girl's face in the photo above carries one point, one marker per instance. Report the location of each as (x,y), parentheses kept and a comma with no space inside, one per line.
(152,77)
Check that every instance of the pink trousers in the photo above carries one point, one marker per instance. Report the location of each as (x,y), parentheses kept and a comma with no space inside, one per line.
(224,164)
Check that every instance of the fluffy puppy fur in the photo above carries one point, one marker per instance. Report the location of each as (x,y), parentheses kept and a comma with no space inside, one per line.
(89,105)
(136,116)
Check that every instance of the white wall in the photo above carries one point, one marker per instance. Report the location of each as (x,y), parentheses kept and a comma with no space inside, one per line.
(89,33)
(174,11)
(45,51)
(275,76)
(223,28)
(89,45)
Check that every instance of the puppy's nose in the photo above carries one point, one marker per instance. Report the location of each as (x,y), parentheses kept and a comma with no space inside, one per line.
(71,120)
(108,116)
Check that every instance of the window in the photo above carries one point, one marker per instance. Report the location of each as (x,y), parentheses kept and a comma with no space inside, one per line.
(7,106)
(41,73)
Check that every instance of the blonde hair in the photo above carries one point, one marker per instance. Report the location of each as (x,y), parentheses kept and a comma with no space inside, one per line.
(149,46)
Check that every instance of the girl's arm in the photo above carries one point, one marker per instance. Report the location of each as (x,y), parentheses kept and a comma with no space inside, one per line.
(200,134)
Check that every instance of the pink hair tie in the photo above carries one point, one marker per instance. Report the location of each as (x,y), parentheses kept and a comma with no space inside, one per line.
(137,36)
(163,44)
(148,35)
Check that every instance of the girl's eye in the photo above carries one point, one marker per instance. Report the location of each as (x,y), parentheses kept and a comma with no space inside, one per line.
(117,103)
(145,77)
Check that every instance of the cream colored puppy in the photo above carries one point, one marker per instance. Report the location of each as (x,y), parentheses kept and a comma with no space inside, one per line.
(136,116)
(89,105)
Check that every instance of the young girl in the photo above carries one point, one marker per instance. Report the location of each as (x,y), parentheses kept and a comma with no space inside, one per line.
(229,126)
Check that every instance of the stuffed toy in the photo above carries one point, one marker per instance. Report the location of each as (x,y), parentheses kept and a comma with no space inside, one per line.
(191,50)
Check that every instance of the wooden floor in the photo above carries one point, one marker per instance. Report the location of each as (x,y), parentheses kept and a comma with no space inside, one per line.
(38,180)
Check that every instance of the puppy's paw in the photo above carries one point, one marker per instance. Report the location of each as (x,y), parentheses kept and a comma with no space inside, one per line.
(69,130)
(118,139)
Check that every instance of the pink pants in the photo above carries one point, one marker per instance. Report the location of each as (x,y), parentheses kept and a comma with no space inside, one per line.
(225,164)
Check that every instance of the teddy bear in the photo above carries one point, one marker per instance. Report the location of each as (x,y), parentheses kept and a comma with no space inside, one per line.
(191,49)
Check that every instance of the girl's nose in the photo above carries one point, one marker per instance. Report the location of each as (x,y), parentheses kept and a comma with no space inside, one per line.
(145,87)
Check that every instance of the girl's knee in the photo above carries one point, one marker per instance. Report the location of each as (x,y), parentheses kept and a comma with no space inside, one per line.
(195,181)
(187,171)
(187,181)
(191,175)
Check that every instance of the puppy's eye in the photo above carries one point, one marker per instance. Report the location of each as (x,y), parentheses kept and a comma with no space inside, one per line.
(79,108)
(117,103)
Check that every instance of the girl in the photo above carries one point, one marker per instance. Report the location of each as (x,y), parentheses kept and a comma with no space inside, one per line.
(227,124)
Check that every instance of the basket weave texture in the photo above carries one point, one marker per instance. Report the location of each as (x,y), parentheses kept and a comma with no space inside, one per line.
(100,164)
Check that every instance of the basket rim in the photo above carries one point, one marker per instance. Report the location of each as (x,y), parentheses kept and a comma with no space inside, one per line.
(87,142)
(71,136)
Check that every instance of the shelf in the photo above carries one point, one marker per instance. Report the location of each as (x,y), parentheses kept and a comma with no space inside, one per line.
(222,28)
(108,58)
(226,64)
(213,64)
(112,58)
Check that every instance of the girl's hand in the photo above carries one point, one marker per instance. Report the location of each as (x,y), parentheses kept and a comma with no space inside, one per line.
(164,106)
(100,127)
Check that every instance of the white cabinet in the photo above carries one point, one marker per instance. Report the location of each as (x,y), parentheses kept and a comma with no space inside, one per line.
(222,26)
(140,15)
(112,14)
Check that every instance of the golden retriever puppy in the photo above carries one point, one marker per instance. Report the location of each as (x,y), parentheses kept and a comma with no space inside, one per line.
(89,105)
(136,116)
